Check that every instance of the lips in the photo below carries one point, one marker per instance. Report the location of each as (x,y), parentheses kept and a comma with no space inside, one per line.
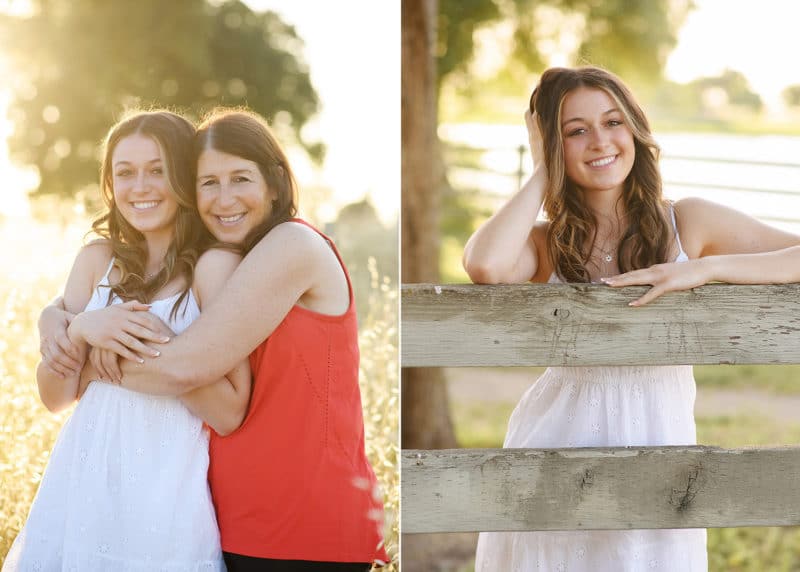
(229,220)
(145,205)
(602,161)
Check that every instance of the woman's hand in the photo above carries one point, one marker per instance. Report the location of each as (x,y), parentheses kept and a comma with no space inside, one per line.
(663,278)
(106,363)
(535,142)
(58,353)
(122,329)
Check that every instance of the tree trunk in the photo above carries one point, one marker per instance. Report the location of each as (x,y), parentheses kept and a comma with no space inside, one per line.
(426,414)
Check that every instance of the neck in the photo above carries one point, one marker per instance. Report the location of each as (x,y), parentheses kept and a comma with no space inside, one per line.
(157,245)
(608,211)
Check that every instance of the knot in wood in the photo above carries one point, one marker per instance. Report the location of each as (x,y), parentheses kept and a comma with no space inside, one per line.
(682,498)
(561,313)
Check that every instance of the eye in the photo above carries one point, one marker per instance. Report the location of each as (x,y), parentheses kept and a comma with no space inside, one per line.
(123,173)
(241,179)
(575,132)
(157,171)
(208,183)
(615,123)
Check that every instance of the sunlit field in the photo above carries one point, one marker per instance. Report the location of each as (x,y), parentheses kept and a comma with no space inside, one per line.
(36,258)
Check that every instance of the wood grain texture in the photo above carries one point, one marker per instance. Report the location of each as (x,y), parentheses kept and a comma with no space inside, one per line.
(578,324)
(462,490)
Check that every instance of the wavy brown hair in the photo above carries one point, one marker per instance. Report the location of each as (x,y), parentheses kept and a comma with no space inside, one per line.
(240,132)
(174,135)
(573,227)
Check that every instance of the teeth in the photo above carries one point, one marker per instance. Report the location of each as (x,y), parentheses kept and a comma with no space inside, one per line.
(144,205)
(232,218)
(602,162)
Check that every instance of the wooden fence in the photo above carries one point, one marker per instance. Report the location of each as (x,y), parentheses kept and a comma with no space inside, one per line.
(598,488)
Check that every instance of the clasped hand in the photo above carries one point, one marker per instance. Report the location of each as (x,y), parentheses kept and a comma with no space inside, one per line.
(125,330)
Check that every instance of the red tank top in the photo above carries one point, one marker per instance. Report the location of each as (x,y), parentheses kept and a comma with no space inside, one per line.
(293,482)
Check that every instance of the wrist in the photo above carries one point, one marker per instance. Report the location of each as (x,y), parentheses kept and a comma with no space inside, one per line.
(709,268)
(75,330)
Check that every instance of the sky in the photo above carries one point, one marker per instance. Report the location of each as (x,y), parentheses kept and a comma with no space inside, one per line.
(758,38)
(353,51)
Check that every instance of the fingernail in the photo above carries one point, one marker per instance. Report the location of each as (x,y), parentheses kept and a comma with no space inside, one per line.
(165,339)
(156,353)
(140,360)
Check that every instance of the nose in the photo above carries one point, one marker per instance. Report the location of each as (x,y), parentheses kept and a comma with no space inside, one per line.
(139,183)
(227,197)
(599,138)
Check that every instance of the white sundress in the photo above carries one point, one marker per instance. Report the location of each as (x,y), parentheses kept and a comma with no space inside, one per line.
(601,407)
(125,488)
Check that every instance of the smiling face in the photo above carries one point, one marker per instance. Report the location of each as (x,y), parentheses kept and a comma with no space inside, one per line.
(598,145)
(232,195)
(142,190)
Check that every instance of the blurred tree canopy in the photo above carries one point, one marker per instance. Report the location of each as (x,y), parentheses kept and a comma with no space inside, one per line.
(791,95)
(79,63)
(629,37)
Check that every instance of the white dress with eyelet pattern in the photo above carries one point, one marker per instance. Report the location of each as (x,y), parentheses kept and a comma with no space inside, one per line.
(125,488)
(601,407)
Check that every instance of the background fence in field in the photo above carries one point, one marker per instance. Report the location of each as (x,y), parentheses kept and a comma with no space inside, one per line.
(591,488)
(759,175)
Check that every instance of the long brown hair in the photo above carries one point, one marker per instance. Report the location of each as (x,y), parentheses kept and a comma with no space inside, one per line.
(244,134)
(573,226)
(174,135)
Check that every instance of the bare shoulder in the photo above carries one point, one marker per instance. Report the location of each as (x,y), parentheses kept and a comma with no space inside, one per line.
(212,271)
(292,239)
(94,258)
(694,208)
(218,260)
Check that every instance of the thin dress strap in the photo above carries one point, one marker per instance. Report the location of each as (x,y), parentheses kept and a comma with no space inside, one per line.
(681,253)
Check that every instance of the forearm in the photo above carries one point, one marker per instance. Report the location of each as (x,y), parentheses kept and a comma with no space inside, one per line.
(56,392)
(780,267)
(221,404)
(493,251)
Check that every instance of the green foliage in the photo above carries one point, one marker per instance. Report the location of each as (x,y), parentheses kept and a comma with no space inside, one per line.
(79,64)
(367,247)
(791,95)
(458,21)
(630,38)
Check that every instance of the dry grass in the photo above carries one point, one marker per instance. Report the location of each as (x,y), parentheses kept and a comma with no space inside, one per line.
(36,260)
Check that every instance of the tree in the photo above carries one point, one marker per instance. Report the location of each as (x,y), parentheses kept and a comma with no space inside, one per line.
(79,64)
(791,95)
(735,87)
(426,421)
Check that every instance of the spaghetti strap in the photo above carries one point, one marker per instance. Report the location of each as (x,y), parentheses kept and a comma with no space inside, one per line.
(681,253)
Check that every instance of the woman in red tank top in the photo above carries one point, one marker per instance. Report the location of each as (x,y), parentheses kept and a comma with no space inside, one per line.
(292,485)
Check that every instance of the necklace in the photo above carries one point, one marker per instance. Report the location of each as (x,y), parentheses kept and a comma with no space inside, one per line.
(607,256)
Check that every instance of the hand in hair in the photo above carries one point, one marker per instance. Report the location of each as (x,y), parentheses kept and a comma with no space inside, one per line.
(535,142)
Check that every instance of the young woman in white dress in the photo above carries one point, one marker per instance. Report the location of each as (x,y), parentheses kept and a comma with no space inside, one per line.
(125,487)
(596,176)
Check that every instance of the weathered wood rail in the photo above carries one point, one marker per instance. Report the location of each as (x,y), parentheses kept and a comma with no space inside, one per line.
(608,488)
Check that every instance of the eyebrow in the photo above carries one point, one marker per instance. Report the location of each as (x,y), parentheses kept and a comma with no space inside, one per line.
(123,162)
(236,172)
(612,110)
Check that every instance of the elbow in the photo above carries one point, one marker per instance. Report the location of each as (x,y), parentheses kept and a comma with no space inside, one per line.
(229,423)
(482,273)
